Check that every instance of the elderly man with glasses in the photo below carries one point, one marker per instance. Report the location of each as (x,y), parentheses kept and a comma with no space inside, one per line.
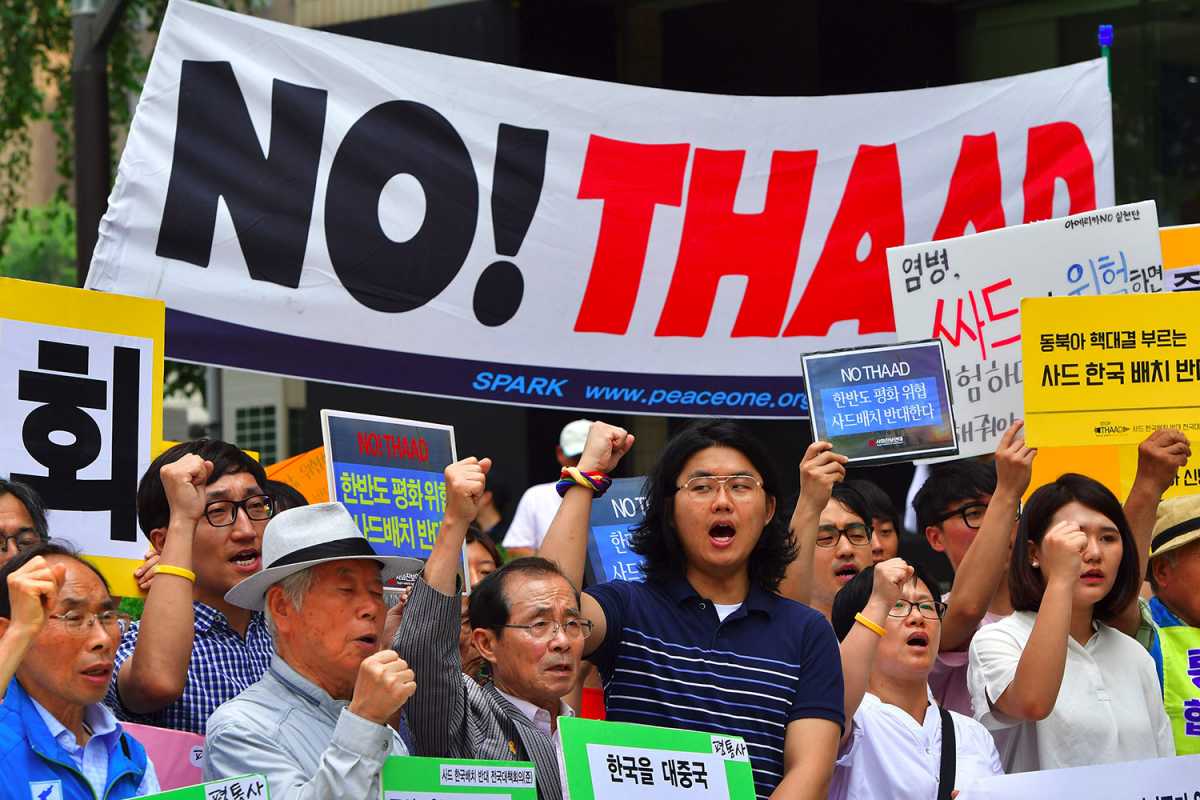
(202,505)
(526,623)
(56,739)
(22,519)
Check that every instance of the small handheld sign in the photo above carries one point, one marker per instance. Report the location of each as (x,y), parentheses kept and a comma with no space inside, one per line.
(244,787)
(884,403)
(614,516)
(412,778)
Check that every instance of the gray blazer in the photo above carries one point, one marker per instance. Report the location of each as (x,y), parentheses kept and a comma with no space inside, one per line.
(450,715)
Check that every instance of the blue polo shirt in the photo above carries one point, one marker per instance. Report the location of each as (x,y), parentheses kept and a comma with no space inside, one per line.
(668,660)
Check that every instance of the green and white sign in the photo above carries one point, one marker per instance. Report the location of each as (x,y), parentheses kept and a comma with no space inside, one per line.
(621,761)
(411,778)
(245,787)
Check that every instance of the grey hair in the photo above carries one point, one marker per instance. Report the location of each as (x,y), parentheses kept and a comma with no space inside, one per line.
(294,587)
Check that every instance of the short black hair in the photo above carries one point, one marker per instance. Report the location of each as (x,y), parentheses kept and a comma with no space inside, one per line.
(951,483)
(284,495)
(852,598)
(1026,585)
(45,550)
(656,538)
(488,606)
(27,496)
(474,534)
(154,511)
(878,501)
(849,496)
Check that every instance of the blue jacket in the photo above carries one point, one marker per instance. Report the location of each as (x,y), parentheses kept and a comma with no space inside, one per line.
(36,767)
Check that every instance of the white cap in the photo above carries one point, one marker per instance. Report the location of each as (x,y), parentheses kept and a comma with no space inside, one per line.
(573,437)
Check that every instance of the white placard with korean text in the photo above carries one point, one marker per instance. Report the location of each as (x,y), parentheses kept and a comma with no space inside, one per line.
(1175,778)
(967,291)
(640,773)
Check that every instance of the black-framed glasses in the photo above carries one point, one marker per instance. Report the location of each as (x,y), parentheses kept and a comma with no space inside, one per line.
(857,533)
(23,541)
(221,513)
(78,622)
(929,609)
(972,514)
(544,629)
(706,487)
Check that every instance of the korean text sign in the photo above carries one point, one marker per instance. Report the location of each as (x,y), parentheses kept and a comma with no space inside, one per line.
(1175,778)
(623,761)
(412,778)
(1110,370)
(968,291)
(614,516)
(82,408)
(388,474)
(245,787)
(878,404)
(576,243)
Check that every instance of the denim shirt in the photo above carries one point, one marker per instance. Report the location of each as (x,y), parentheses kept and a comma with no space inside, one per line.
(307,744)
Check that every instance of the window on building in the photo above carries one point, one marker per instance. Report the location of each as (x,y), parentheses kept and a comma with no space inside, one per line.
(256,431)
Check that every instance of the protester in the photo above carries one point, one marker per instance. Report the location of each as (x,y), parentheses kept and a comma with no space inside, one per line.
(889,622)
(1066,689)
(525,622)
(317,723)
(885,520)
(537,507)
(714,557)
(1171,628)
(22,519)
(203,507)
(492,508)
(56,738)
(483,558)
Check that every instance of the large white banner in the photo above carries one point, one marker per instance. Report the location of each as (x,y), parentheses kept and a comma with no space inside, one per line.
(348,211)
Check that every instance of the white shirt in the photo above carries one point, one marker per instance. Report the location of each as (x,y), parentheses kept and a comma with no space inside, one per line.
(533,516)
(1109,707)
(890,754)
(540,718)
(725,609)
(948,679)
(92,758)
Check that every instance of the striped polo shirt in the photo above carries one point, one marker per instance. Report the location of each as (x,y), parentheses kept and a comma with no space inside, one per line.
(668,660)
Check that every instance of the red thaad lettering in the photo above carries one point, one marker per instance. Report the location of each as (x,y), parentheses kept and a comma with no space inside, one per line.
(631,179)
(717,241)
(386,444)
(1058,150)
(974,195)
(843,287)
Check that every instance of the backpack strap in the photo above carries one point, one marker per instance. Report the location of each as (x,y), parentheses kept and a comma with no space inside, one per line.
(949,757)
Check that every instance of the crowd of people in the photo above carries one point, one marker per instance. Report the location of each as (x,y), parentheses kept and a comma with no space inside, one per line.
(1070,636)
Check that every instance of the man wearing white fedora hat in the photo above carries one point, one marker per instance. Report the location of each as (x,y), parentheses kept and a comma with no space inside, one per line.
(317,724)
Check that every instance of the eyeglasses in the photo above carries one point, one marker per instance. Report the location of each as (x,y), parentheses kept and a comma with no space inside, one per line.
(23,540)
(221,513)
(929,609)
(856,533)
(78,622)
(705,487)
(544,630)
(972,514)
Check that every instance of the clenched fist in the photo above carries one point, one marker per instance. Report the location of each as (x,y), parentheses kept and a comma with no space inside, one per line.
(384,684)
(890,577)
(466,481)
(606,445)
(1061,552)
(820,469)
(183,482)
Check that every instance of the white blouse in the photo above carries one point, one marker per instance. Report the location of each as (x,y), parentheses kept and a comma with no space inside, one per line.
(889,754)
(1109,707)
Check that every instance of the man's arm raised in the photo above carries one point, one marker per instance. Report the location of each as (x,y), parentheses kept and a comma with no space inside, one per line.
(465,484)
(820,469)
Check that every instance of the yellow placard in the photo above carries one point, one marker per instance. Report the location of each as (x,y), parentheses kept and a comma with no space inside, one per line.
(305,473)
(1102,463)
(1187,481)
(1111,369)
(81,378)
(1180,246)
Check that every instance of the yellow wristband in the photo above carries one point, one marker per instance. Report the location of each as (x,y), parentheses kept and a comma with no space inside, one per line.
(873,627)
(167,569)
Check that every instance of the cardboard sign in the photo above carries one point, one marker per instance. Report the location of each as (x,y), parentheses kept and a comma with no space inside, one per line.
(1175,778)
(81,405)
(623,761)
(306,473)
(245,787)
(1181,258)
(576,243)
(967,292)
(388,474)
(412,778)
(614,516)
(881,404)
(1111,370)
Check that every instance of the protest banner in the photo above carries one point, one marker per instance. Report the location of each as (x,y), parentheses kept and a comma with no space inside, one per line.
(412,778)
(614,516)
(967,292)
(1181,258)
(244,787)
(623,761)
(1110,370)
(306,473)
(1175,778)
(881,404)
(82,411)
(574,243)
(388,474)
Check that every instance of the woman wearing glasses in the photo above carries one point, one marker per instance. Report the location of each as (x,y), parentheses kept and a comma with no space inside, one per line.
(890,626)
(1058,686)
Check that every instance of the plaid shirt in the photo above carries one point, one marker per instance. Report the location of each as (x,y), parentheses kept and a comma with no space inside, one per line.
(223,664)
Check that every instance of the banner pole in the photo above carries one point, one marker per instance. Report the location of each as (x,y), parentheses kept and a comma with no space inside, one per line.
(1105,37)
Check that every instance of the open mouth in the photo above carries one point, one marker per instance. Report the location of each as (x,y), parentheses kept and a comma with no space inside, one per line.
(721,534)
(370,640)
(918,639)
(246,560)
(846,572)
(98,672)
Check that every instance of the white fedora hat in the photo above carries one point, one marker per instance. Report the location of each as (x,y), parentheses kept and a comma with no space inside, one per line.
(304,537)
